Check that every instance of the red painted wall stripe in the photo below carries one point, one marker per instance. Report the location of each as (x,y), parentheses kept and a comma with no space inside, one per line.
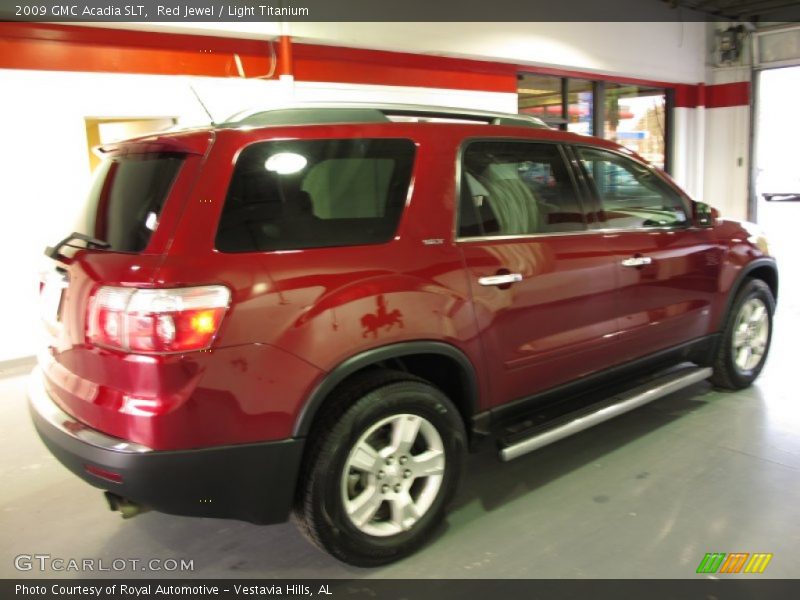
(350,65)
(125,37)
(66,48)
(57,56)
(63,48)
(686,96)
(713,96)
(40,46)
(728,94)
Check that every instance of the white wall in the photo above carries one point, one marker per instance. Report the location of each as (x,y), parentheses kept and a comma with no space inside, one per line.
(668,51)
(726,161)
(44,153)
(727,140)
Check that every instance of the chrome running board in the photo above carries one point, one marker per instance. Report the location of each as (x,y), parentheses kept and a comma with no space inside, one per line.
(613,407)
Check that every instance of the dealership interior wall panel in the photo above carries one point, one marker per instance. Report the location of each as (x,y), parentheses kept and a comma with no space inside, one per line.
(688,148)
(669,51)
(727,139)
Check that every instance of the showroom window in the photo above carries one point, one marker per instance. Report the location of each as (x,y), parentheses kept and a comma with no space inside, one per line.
(632,195)
(580,106)
(541,96)
(516,188)
(634,116)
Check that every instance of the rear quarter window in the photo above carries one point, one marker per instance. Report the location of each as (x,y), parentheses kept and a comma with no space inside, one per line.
(287,195)
(127,197)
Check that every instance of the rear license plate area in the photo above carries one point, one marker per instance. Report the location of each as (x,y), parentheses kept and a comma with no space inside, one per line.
(52,295)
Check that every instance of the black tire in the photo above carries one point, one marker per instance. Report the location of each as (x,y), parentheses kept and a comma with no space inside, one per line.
(361,406)
(727,373)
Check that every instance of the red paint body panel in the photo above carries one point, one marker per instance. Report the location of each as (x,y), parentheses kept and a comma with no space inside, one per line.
(235,394)
(295,316)
(557,324)
(668,302)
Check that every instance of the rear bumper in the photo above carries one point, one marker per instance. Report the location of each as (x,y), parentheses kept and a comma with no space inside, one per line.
(249,482)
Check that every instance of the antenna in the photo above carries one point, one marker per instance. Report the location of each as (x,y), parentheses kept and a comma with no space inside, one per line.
(203,104)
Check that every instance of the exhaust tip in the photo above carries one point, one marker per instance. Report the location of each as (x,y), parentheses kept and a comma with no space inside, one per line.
(127,508)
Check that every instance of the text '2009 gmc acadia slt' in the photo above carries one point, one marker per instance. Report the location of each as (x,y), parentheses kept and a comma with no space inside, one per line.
(315,311)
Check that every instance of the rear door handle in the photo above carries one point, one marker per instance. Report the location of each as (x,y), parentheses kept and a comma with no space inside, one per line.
(637,261)
(504,279)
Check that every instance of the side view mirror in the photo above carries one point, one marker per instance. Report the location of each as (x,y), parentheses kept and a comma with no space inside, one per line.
(704,215)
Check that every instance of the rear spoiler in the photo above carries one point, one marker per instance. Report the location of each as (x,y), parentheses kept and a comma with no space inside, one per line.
(181,144)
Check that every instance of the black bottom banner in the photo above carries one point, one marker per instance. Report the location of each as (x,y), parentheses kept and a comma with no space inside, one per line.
(400,589)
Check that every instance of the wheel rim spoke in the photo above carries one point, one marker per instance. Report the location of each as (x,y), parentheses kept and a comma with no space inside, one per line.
(740,337)
(404,511)
(404,432)
(758,314)
(364,506)
(364,458)
(747,310)
(744,357)
(428,463)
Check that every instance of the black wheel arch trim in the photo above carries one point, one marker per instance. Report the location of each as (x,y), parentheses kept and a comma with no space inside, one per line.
(383,353)
(764,261)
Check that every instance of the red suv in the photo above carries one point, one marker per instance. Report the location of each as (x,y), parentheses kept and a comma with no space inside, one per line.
(317,310)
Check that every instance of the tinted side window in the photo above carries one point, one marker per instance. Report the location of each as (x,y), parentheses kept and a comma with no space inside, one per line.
(516,188)
(287,195)
(632,195)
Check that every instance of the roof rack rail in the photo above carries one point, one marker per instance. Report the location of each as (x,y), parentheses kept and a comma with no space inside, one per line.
(318,113)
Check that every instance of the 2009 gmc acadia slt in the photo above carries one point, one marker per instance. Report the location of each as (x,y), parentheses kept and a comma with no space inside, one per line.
(316,310)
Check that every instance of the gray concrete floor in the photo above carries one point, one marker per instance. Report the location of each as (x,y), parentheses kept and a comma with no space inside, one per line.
(645,495)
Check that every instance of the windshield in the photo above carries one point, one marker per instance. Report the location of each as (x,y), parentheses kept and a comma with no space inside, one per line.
(127,197)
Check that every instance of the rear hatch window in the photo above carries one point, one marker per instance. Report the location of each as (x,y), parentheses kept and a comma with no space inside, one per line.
(291,194)
(127,197)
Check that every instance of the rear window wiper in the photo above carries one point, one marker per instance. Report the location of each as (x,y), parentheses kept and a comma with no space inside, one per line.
(54,251)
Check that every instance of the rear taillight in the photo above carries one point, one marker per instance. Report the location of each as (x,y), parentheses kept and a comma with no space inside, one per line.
(156,321)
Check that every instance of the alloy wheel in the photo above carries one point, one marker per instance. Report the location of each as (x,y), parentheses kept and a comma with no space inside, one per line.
(393,474)
(750,335)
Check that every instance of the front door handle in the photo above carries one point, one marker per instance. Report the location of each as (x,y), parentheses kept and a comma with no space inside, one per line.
(637,261)
(501,279)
